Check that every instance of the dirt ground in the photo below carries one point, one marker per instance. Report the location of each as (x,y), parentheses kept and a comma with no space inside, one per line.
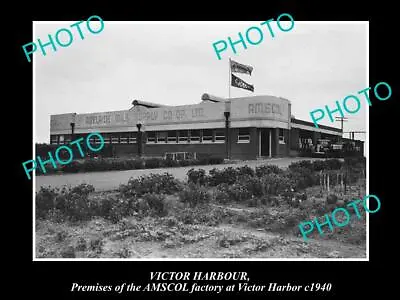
(106,181)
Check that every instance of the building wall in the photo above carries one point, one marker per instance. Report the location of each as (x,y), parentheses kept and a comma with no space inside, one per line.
(244,150)
(283,149)
(215,149)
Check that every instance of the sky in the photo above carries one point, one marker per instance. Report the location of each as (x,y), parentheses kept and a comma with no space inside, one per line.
(312,65)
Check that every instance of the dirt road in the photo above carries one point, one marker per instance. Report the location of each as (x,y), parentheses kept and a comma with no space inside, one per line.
(106,181)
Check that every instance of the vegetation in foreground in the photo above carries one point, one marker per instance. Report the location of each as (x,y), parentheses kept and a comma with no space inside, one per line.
(234,212)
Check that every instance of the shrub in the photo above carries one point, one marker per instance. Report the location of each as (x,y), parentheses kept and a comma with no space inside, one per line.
(208,159)
(355,162)
(138,164)
(239,192)
(333,164)
(104,208)
(194,195)
(197,176)
(155,204)
(275,184)
(72,167)
(253,185)
(302,177)
(119,208)
(152,163)
(268,169)
(169,163)
(216,160)
(301,165)
(45,201)
(55,215)
(319,165)
(221,194)
(153,183)
(245,171)
(227,175)
(83,189)
(71,202)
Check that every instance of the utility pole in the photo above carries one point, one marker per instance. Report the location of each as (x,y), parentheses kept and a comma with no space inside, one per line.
(341,119)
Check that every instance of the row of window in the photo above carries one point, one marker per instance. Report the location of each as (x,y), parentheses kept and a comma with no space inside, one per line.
(162,137)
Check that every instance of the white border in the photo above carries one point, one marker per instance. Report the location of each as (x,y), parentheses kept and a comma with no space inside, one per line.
(197,259)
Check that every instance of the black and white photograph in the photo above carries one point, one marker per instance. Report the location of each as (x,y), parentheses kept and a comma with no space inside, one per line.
(202,141)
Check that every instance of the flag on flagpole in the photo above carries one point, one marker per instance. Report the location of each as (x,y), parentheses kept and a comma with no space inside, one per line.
(240,68)
(239,83)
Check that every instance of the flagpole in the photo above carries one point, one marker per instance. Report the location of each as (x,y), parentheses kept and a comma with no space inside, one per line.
(229,80)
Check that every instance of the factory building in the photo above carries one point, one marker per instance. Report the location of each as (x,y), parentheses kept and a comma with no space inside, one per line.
(236,128)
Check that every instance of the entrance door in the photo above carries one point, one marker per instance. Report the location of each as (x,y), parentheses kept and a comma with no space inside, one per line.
(265,142)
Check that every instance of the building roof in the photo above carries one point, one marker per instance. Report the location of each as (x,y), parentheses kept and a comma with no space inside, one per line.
(311,124)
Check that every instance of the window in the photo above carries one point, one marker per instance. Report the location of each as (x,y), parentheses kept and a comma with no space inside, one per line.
(92,140)
(132,137)
(106,137)
(207,136)
(151,137)
(244,135)
(219,135)
(183,136)
(98,140)
(281,136)
(162,137)
(124,138)
(195,136)
(114,139)
(67,139)
(171,136)
(53,139)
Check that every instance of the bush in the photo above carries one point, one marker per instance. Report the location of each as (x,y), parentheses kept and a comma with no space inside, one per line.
(169,163)
(227,175)
(245,171)
(197,176)
(301,165)
(302,177)
(155,204)
(56,216)
(333,164)
(320,165)
(194,195)
(207,159)
(222,194)
(355,162)
(268,169)
(275,184)
(73,167)
(116,209)
(153,183)
(70,202)
(45,199)
(152,163)
(253,185)
(239,192)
